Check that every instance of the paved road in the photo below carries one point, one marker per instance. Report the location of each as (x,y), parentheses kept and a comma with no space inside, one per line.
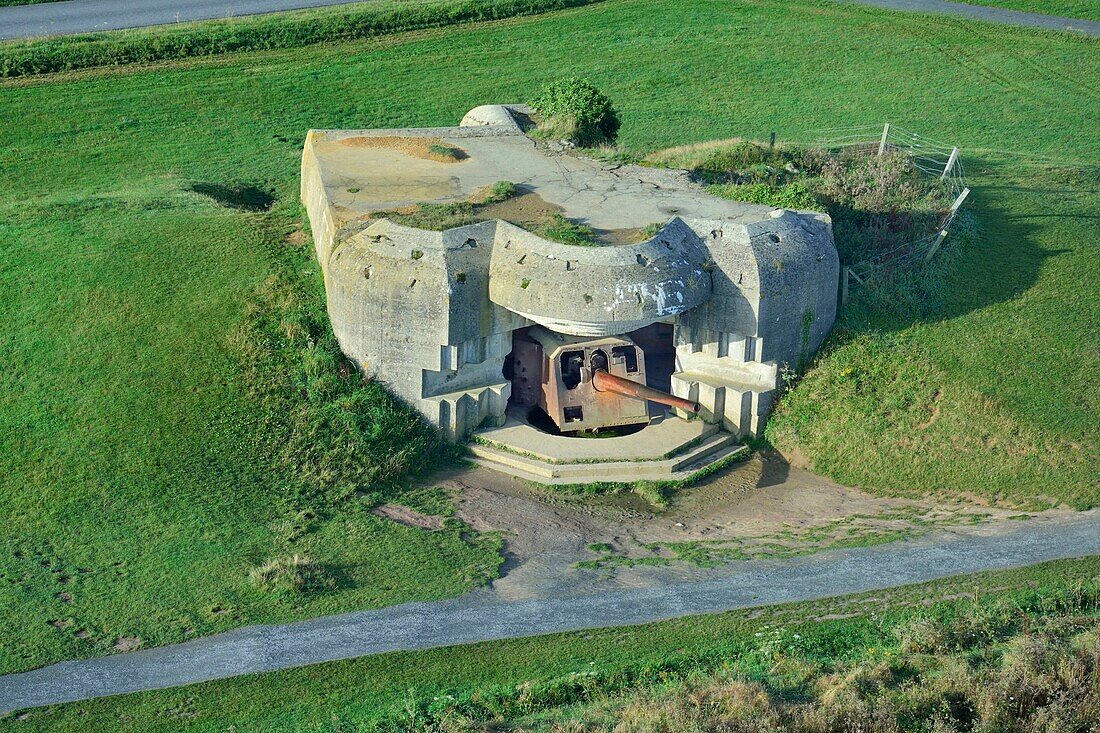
(483,616)
(85,16)
(994,15)
(82,16)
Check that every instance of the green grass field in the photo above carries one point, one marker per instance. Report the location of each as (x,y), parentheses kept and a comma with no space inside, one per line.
(1066,8)
(537,679)
(142,467)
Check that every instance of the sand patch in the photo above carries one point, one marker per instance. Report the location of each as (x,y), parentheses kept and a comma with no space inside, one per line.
(425,148)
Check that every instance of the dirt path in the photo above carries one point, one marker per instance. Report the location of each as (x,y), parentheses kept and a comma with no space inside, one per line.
(762,508)
(487,614)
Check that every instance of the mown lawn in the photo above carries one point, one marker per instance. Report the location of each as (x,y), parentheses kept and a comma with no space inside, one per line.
(411,691)
(1066,8)
(136,455)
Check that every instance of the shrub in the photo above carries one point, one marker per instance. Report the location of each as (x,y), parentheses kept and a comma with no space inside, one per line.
(575,109)
(444,153)
(290,574)
(501,191)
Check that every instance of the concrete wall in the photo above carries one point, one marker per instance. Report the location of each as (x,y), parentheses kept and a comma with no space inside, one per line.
(431,313)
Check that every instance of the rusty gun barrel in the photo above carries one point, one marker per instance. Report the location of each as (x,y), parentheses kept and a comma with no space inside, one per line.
(604,381)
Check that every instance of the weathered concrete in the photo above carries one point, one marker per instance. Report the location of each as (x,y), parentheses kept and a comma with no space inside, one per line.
(483,616)
(748,288)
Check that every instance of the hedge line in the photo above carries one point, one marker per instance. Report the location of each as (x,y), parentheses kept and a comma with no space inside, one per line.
(25,58)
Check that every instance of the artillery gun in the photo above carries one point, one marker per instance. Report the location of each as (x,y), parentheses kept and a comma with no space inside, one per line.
(585,383)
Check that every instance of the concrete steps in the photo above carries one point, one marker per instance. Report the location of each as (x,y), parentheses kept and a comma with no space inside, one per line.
(712,449)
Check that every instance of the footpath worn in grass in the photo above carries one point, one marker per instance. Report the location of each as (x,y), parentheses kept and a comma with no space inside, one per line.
(137,471)
(440,689)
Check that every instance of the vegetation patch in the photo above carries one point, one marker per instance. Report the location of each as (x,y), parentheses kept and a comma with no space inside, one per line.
(854,530)
(574,109)
(502,200)
(290,574)
(427,148)
(877,204)
(259,33)
(566,231)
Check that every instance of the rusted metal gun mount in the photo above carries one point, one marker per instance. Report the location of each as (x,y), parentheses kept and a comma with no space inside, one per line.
(585,383)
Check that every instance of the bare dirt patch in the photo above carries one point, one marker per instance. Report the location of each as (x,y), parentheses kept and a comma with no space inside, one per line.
(526,209)
(425,148)
(126,643)
(408,517)
(297,238)
(556,543)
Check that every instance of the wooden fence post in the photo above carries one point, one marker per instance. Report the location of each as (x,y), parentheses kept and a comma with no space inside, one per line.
(950,163)
(882,142)
(843,285)
(943,230)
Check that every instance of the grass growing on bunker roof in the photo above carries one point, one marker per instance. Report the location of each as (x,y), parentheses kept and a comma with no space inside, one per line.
(484,205)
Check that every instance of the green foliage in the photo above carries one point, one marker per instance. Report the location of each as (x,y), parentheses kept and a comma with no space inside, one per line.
(565,231)
(444,151)
(290,574)
(787,196)
(501,191)
(284,30)
(577,105)
(655,494)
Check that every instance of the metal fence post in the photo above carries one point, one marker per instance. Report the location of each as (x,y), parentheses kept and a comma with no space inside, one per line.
(882,142)
(950,163)
(946,222)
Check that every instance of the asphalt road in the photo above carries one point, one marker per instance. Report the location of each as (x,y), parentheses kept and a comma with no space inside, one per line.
(84,16)
(483,616)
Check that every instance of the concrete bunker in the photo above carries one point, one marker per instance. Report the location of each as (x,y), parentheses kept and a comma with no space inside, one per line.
(479,322)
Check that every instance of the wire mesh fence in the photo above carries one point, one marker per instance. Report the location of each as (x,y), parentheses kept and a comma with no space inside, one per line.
(927,155)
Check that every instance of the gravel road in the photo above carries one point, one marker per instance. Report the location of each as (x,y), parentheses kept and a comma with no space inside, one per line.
(483,616)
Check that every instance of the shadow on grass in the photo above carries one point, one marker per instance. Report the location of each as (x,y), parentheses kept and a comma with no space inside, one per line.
(240,196)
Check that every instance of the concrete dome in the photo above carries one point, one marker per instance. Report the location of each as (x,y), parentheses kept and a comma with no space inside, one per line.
(599,291)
